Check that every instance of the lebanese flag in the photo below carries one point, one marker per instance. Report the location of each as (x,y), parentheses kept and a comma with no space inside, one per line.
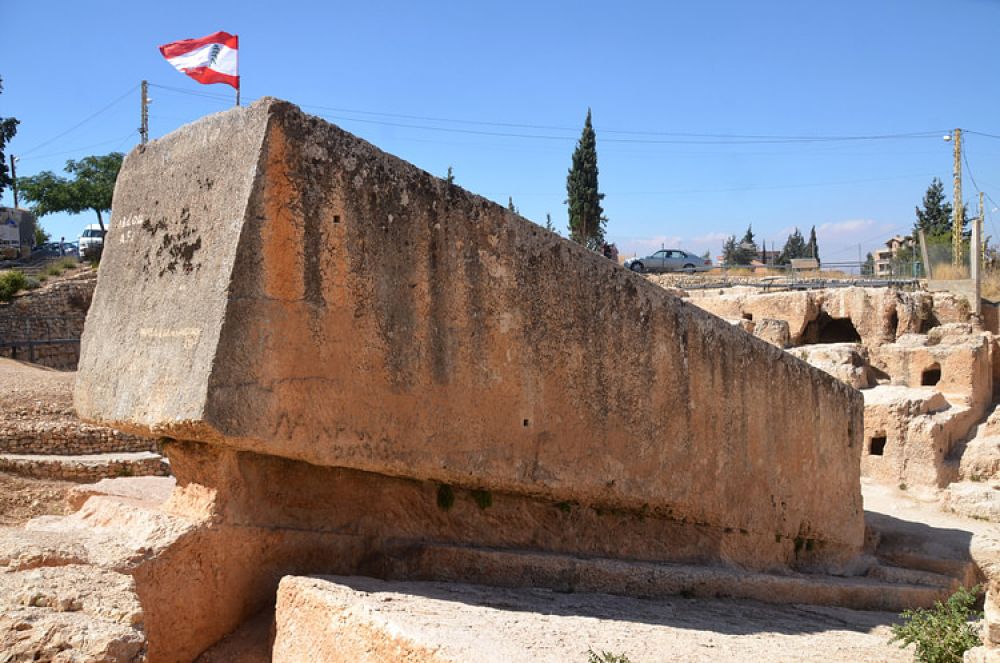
(211,59)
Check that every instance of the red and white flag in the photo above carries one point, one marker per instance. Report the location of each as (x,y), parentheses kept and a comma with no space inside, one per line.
(211,59)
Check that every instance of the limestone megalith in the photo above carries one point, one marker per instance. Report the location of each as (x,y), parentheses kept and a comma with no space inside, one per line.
(273,284)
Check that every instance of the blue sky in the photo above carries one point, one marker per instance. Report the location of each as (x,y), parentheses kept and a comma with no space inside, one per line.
(442,83)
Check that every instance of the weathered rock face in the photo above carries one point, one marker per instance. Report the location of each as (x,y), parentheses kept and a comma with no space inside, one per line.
(277,285)
(909,432)
(953,358)
(872,316)
(848,362)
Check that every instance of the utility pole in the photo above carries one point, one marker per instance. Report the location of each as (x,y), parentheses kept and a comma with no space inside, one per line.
(13,178)
(957,206)
(974,264)
(144,117)
(980,251)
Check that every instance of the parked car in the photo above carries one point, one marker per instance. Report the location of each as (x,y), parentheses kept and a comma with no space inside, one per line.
(55,250)
(46,250)
(92,240)
(670,260)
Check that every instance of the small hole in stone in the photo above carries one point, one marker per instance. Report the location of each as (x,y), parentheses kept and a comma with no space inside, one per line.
(748,316)
(336,218)
(525,423)
(931,375)
(877,447)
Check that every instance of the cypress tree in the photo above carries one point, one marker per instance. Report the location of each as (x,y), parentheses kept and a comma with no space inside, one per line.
(586,217)
(812,249)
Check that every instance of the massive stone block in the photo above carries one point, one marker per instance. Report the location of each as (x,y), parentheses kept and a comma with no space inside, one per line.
(275,285)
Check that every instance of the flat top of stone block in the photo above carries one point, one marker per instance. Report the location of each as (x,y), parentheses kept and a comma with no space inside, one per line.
(461,622)
(887,394)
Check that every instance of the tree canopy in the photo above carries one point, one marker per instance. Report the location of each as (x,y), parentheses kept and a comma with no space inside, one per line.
(8,127)
(812,248)
(935,217)
(741,253)
(91,187)
(795,247)
(586,216)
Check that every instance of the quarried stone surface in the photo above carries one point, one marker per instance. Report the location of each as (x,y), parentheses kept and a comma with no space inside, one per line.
(359,619)
(277,285)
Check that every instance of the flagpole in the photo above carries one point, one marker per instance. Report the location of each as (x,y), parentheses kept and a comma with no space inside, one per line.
(238,81)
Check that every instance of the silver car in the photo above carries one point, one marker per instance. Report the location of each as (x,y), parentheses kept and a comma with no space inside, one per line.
(670,260)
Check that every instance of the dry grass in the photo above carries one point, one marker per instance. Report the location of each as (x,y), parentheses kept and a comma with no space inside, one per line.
(991,285)
(949,272)
(760,272)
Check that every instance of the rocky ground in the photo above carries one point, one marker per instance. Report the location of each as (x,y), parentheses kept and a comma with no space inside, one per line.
(22,499)
(35,394)
(32,395)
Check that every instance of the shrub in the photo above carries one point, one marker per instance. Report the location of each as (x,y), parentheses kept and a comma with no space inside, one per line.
(944,633)
(606,657)
(69,263)
(11,282)
(53,270)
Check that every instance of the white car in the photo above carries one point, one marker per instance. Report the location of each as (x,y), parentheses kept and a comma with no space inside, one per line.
(670,260)
(92,240)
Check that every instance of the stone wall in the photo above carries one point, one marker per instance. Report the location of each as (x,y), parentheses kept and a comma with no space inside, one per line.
(355,312)
(56,310)
(66,438)
(84,469)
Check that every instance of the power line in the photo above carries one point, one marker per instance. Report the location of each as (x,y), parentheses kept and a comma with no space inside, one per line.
(965,159)
(748,137)
(78,149)
(981,133)
(683,139)
(192,93)
(79,124)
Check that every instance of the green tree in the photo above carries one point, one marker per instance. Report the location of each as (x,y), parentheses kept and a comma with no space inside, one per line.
(548,223)
(868,268)
(935,217)
(8,127)
(742,252)
(91,187)
(795,247)
(450,177)
(511,206)
(812,248)
(747,248)
(41,236)
(586,216)
(730,252)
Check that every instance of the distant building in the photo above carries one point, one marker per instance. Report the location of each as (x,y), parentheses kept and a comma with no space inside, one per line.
(17,233)
(884,258)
